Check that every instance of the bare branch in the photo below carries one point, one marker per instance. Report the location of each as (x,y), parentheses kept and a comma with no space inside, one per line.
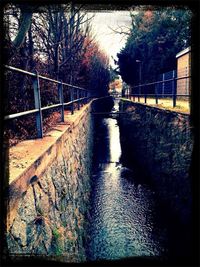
(119,30)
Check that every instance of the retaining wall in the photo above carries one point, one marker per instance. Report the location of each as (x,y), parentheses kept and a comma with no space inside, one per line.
(49,191)
(161,142)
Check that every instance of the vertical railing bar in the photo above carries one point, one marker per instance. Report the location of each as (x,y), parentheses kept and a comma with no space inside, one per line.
(139,93)
(72,99)
(60,92)
(85,96)
(78,96)
(186,83)
(174,90)
(81,97)
(37,99)
(163,84)
(156,95)
(145,95)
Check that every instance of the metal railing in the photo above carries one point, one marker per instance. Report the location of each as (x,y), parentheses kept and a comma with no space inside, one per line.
(129,92)
(77,95)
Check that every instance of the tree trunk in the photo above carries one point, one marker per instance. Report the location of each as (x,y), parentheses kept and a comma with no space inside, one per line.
(26,18)
(31,50)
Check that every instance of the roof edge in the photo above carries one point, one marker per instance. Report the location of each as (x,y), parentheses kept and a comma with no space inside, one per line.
(183,52)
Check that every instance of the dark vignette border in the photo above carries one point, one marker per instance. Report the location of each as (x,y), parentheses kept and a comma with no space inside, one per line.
(105,5)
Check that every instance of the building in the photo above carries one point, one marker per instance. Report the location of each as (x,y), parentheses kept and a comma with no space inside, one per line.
(184,70)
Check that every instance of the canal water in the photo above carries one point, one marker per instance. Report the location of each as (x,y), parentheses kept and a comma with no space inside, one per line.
(124,218)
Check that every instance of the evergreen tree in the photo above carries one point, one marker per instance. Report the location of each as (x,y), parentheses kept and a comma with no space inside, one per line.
(157,35)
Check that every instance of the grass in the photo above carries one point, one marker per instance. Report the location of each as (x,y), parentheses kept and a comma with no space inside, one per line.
(58,251)
(56,233)
(167,103)
(58,248)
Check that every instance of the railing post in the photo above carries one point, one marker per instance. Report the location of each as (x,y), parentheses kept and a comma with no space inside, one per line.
(133,93)
(156,94)
(82,95)
(60,93)
(72,99)
(36,88)
(174,89)
(139,92)
(145,95)
(186,81)
(78,96)
(163,84)
(85,95)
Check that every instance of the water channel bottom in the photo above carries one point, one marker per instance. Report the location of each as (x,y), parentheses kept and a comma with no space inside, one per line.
(121,223)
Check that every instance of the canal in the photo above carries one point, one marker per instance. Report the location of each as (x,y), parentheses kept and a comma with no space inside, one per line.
(124,216)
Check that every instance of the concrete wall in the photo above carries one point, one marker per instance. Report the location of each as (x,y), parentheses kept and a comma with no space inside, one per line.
(161,143)
(49,197)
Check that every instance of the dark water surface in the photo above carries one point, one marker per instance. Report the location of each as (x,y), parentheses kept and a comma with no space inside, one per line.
(123,217)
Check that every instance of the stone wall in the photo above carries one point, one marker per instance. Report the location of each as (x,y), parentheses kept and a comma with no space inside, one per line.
(50,215)
(161,142)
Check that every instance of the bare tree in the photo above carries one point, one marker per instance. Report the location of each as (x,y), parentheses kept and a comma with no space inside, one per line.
(53,34)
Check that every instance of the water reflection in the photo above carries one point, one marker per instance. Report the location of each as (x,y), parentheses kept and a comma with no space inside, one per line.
(114,146)
(122,211)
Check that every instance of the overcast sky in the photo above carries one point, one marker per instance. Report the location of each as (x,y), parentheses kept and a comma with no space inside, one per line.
(110,41)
